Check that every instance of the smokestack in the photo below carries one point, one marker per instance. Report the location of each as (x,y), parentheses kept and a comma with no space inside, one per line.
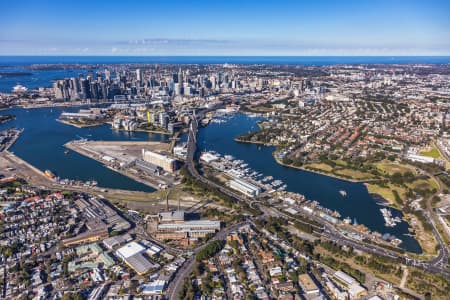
(167,199)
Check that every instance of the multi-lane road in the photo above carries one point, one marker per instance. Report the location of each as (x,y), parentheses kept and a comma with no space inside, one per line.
(176,284)
(435,265)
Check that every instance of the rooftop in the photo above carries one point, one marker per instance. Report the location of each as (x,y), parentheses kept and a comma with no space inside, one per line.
(130,249)
(139,263)
(171,215)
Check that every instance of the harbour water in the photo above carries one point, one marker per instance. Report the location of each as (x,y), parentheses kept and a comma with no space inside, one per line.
(357,204)
(42,140)
(41,144)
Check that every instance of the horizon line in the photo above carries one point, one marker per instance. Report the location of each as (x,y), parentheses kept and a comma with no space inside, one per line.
(201,55)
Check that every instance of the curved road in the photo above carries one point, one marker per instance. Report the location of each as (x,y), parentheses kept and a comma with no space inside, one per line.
(177,282)
(434,265)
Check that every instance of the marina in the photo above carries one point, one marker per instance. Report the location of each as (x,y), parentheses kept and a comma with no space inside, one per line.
(252,163)
(254,184)
(236,168)
(325,190)
(389,220)
(72,168)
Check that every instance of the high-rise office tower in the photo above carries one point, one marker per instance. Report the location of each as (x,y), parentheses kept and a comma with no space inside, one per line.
(180,76)
(94,91)
(177,89)
(107,75)
(138,74)
(85,89)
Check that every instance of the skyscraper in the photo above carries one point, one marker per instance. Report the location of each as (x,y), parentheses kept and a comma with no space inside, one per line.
(138,74)
(180,77)
(107,75)
(175,77)
(85,89)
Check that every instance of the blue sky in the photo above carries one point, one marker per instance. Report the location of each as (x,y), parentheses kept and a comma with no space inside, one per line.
(341,27)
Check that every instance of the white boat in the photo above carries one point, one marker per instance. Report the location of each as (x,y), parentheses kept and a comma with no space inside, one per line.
(277,182)
(19,89)
(389,221)
(343,193)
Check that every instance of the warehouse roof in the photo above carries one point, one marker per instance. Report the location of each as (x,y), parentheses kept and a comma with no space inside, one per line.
(140,264)
(130,249)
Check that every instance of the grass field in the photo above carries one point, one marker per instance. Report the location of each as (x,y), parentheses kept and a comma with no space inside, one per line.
(432,152)
(340,162)
(386,192)
(424,184)
(355,174)
(363,268)
(390,168)
(320,166)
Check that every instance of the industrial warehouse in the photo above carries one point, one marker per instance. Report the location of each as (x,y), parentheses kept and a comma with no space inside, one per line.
(173,225)
(166,163)
(244,187)
(147,162)
(133,255)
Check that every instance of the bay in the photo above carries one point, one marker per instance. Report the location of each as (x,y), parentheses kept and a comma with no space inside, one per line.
(358,204)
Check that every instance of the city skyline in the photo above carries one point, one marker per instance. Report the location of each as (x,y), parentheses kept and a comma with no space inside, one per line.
(323,28)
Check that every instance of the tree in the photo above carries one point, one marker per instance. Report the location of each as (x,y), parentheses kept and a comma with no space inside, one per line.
(199,269)
(210,250)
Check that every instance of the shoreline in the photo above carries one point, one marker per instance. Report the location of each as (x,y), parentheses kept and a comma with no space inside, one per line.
(71,146)
(14,140)
(316,172)
(253,142)
(379,199)
(37,177)
(7,120)
(298,167)
(53,105)
(61,104)
(80,126)
(143,130)
(386,202)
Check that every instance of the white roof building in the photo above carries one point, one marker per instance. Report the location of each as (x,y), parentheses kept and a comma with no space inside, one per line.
(154,288)
(344,277)
(129,250)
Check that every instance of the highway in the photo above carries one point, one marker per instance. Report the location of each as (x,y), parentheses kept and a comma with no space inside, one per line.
(435,265)
(191,148)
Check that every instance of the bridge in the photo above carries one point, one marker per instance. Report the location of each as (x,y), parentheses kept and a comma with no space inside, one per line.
(435,265)
(191,149)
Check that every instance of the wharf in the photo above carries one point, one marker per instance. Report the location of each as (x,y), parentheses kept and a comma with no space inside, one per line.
(119,156)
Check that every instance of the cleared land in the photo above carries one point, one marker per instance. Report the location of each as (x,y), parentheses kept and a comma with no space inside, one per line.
(148,202)
(123,151)
(431,152)
(120,155)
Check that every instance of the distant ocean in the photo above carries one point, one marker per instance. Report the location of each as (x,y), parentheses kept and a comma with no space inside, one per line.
(44,78)
(283,60)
